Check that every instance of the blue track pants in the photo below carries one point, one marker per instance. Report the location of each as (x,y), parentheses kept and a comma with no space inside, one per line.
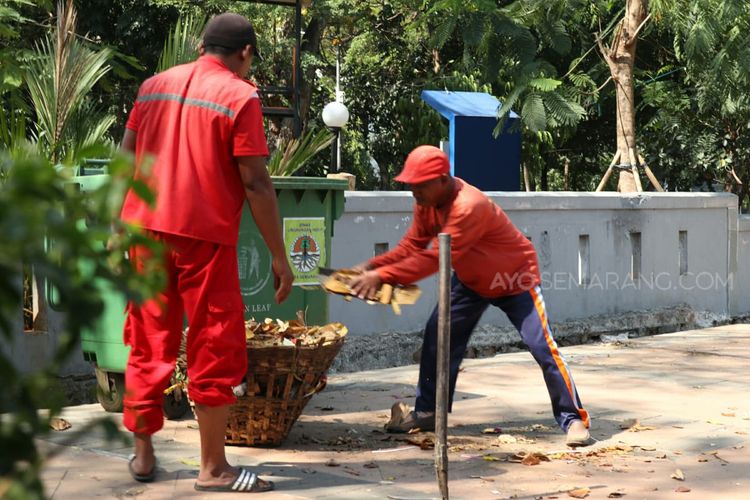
(528,314)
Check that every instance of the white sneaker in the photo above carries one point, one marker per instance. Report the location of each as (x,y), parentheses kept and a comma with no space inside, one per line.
(578,434)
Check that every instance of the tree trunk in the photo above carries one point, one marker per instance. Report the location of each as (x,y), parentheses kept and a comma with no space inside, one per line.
(620,58)
(526,182)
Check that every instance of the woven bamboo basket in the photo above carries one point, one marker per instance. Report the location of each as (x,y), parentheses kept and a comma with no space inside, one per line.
(280,381)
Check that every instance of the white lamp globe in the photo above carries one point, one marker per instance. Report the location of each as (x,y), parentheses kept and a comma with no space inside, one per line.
(335,114)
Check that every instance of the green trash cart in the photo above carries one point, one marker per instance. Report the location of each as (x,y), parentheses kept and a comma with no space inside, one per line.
(308,207)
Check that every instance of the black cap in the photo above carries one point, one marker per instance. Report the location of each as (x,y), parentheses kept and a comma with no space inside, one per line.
(232,31)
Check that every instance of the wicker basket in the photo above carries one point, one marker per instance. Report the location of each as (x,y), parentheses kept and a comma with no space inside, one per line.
(280,382)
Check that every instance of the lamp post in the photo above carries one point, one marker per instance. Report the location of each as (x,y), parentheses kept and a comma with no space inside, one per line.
(335,116)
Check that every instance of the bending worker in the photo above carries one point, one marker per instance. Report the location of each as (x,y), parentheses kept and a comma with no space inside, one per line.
(494,263)
(201,124)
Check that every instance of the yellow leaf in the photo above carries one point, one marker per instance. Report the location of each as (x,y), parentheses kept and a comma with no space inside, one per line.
(579,492)
(59,424)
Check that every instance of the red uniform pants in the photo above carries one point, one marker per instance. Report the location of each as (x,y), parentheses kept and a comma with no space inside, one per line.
(204,284)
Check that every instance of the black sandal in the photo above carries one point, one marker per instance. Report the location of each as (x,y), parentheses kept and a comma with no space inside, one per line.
(141,478)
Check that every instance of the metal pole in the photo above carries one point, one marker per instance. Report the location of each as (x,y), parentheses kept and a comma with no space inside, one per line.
(443,361)
(338,149)
(297,67)
(334,150)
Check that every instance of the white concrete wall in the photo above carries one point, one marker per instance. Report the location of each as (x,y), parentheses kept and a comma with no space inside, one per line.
(741,289)
(717,253)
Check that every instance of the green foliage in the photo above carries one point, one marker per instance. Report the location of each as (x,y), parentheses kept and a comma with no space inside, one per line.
(49,226)
(181,45)
(59,80)
(292,156)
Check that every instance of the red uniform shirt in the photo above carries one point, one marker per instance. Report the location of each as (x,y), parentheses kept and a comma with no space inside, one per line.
(490,255)
(191,122)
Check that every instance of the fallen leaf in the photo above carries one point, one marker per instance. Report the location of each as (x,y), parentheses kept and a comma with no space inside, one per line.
(640,428)
(628,423)
(702,460)
(647,448)
(661,455)
(332,463)
(678,475)
(490,458)
(192,463)
(728,415)
(534,459)
(616,494)
(370,465)
(492,430)
(579,493)
(351,471)
(327,408)
(506,439)
(426,443)
(682,489)
(59,424)
(715,422)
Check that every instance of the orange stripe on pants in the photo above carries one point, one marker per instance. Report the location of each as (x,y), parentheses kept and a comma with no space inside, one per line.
(559,361)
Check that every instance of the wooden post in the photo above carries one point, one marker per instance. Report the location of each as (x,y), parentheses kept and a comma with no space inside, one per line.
(443,361)
(608,173)
(650,174)
(634,168)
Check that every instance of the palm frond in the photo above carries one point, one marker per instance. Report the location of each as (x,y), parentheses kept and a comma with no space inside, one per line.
(59,78)
(289,158)
(181,45)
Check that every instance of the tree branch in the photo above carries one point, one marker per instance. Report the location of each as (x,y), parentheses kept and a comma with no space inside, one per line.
(634,37)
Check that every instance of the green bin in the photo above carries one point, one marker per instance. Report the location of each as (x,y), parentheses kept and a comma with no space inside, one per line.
(308,207)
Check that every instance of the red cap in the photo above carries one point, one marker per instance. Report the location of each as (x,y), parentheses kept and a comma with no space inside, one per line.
(424,164)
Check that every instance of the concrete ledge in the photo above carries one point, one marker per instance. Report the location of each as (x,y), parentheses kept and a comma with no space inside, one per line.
(401,201)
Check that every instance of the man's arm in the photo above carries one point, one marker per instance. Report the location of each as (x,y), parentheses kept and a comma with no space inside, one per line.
(128,141)
(261,197)
(465,227)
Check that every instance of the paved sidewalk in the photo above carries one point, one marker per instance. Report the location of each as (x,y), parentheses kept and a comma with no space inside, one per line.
(669,405)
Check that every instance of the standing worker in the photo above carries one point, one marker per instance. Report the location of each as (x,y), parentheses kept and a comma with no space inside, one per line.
(494,263)
(200,127)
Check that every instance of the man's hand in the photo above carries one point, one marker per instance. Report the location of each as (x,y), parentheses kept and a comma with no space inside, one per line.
(282,278)
(366,285)
(362,267)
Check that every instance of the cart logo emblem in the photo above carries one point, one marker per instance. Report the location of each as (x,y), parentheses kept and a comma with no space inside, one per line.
(254,270)
(305,253)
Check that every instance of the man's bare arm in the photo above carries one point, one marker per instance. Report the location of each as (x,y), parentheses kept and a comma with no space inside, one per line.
(261,197)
